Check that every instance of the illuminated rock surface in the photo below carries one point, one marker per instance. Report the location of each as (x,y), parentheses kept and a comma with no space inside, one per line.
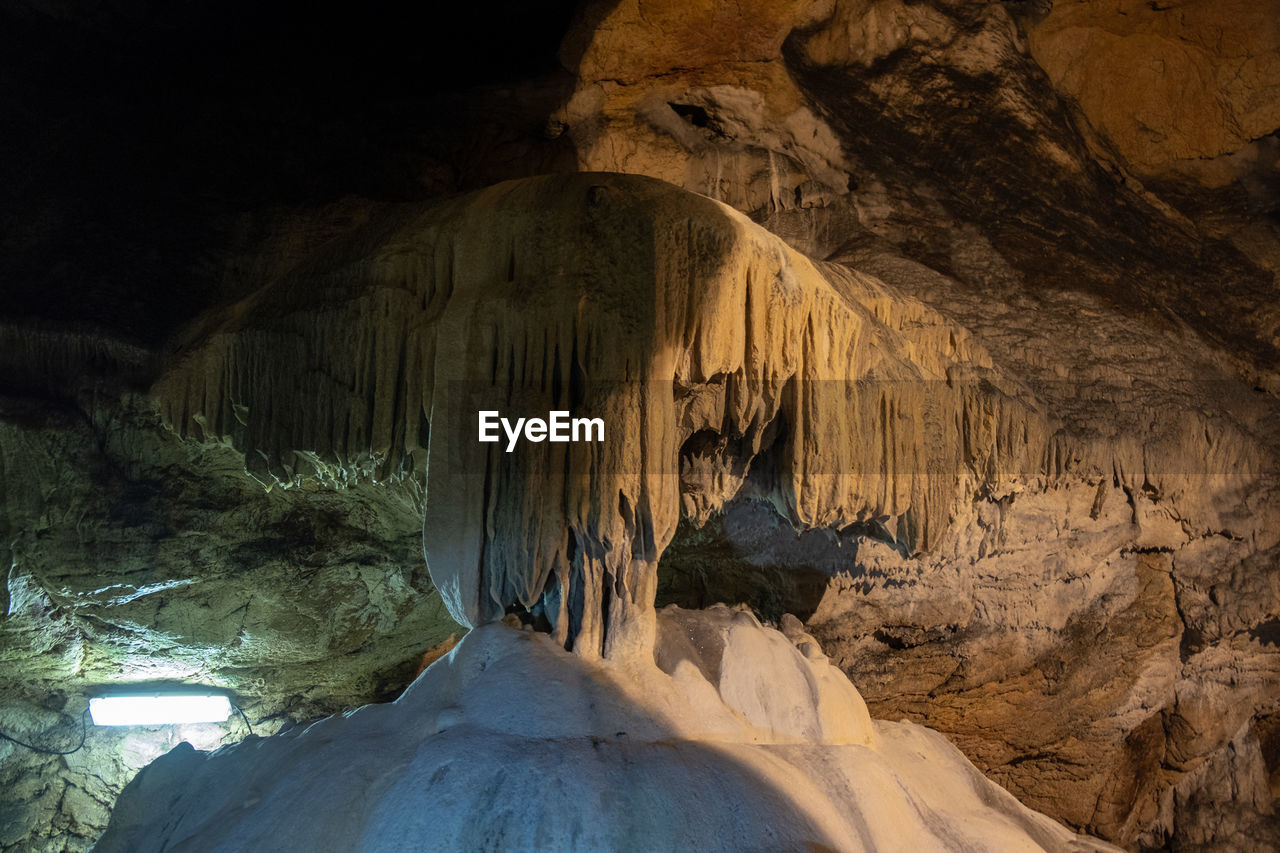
(737,740)
(720,360)
(1011,192)
(1204,77)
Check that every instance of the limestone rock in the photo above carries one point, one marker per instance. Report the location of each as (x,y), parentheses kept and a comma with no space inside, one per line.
(133,557)
(701,99)
(1093,623)
(1167,82)
(731,361)
(708,753)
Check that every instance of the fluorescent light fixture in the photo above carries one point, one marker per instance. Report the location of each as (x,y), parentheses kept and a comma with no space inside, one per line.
(159,709)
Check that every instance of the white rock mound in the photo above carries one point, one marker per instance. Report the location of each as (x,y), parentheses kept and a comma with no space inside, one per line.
(739,738)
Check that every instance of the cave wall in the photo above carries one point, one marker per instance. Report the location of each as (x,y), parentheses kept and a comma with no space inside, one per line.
(1080,196)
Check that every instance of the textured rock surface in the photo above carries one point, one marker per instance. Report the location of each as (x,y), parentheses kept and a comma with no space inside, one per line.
(135,557)
(1097,632)
(737,740)
(946,166)
(932,128)
(732,362)
(1167,82)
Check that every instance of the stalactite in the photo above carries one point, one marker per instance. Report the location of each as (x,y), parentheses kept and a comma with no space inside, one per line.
(666,314)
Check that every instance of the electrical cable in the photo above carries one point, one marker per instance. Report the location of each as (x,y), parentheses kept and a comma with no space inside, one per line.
(84,733)
(243,717)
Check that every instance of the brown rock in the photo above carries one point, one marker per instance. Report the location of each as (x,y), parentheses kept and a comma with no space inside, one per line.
(1167,82)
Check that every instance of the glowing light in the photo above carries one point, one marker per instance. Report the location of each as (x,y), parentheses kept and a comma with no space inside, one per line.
(158,709)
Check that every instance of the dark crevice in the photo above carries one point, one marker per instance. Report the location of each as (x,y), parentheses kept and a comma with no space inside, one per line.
(701,567)
(1267,633)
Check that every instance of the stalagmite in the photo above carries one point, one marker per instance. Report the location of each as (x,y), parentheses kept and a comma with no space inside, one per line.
(734,737)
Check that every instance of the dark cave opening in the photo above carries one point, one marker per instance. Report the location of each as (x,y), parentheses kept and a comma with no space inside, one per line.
(702,567)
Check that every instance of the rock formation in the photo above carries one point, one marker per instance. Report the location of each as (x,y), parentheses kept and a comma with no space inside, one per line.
(726,348)
(1203,79)
(948,326)
(736,740)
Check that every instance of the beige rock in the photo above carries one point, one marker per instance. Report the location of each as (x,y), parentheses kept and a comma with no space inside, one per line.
(863,32)
(1059,623)
(698,95)
(666,314)
(1094,621)
(635,39)
(1171,81)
